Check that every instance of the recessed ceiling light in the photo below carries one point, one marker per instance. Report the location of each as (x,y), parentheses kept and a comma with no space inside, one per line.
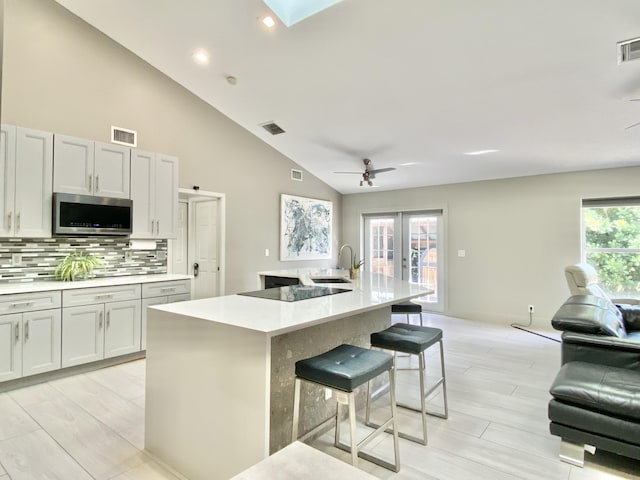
(481,152)
(268,21)
(201,57)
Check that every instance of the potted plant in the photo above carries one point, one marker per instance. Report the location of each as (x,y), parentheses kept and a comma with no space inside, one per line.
(354,271)
(77,266)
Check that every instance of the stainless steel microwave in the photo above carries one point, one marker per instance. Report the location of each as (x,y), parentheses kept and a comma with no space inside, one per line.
(89,215)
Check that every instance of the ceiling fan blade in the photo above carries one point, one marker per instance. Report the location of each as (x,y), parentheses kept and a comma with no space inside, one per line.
(356,173)
(380,170)
(631,126)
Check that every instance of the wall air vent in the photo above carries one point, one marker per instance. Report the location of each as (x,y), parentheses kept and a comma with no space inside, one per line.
(272,128)
(628,50)
(296,175)
(122,136)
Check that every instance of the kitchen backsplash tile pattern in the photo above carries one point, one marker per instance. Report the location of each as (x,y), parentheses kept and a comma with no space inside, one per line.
(41,256)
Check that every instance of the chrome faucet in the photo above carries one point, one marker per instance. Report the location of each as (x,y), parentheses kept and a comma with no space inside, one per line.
(340,254)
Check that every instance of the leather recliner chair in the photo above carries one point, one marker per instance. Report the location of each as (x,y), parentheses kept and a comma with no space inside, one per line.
(596,394)
(582,279)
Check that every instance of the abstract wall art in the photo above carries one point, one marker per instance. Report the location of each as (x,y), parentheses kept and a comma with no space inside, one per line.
(305,228)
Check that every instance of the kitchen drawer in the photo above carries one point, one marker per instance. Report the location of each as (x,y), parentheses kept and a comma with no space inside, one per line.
(161,289)
(29,302)
(88,296)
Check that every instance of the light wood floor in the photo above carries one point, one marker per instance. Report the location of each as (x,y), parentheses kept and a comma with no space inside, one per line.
(91,426)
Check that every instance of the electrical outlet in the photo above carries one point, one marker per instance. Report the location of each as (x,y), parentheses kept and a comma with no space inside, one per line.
(16,259)
(128,255)
(530,308)
(327,394)
(161,255)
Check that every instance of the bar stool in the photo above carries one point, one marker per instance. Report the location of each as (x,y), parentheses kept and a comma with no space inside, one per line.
(414,340)
(341,370)
(408,308)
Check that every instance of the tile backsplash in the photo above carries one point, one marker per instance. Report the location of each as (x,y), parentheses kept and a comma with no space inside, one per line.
(40,256)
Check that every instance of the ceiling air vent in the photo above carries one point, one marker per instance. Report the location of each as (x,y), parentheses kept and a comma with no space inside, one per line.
(628,50)
(296,174)
(122,136)
(272,128)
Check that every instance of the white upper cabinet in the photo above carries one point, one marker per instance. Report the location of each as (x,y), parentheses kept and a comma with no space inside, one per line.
(112,170)
(154,191)
(73,171)
(26,163)
(85,167)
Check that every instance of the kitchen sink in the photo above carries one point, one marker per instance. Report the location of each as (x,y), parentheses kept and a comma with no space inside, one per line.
(331,280)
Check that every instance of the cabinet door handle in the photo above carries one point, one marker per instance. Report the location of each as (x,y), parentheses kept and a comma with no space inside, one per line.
(10,213)
(97,183)
(104,296)
(26,331)
(158,227)
(108,319)
(90,183)
(17,331)
(167,289)
(18,222)
(100,317)
(20,304)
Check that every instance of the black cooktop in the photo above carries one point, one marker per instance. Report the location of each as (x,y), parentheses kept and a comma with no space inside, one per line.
(294,293)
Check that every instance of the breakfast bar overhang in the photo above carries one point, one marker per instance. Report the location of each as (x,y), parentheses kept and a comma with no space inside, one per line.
(219,382)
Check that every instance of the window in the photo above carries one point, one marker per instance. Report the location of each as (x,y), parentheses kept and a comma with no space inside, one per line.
(611,243)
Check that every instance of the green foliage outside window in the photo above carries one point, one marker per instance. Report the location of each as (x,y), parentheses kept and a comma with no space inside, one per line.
(611,236)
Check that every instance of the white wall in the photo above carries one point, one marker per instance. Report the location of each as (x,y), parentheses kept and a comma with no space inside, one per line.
(62,75)
(518,234)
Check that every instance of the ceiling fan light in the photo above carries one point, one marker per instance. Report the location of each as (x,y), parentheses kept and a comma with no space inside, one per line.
(370,183)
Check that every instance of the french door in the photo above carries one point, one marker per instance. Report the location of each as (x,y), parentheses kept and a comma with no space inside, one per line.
(408,246)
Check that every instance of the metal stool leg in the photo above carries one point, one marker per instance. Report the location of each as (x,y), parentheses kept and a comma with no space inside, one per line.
(444,381)
(296,410)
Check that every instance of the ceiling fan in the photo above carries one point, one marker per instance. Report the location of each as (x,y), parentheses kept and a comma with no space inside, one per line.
(369,172)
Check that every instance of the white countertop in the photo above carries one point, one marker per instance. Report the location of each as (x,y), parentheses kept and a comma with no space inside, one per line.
(277,317)
(28,287)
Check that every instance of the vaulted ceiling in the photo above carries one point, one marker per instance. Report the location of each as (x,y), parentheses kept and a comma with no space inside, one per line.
(410,84)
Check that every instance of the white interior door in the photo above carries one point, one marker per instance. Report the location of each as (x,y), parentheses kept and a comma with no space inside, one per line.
(179,245)
(205,251)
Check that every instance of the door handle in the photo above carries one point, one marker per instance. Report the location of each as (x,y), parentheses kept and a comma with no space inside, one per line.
(108,318)
(26,331)
(17,331)
(100,317)
(196,267)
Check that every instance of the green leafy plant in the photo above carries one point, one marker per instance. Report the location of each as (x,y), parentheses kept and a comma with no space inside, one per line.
(77,266)
(357,263)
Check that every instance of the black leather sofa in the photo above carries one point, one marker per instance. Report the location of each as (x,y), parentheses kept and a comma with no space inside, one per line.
(596,394)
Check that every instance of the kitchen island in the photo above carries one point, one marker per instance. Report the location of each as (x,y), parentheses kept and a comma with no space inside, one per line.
(220,371)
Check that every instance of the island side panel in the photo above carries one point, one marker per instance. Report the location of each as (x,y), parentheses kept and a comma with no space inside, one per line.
(290,347)
(207,411)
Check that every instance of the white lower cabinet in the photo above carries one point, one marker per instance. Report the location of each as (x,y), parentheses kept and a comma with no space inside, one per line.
(100,323)
(29,343)
(95,332)
(160,293)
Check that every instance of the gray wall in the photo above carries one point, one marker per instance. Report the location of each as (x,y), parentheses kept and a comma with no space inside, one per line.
(518,234)
(62,75)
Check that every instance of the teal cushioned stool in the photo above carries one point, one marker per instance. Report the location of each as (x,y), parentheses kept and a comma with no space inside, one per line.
(414,340)
(342,370)
(408,308)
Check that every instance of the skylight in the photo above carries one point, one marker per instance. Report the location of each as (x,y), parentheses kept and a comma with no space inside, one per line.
(293,11)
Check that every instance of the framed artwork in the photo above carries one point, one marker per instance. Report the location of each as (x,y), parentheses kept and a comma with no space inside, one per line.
(305,228)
